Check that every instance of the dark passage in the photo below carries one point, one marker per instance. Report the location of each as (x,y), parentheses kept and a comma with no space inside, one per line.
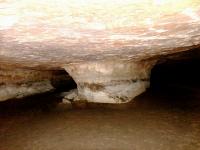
(180,74)
(166,117)
(178,79)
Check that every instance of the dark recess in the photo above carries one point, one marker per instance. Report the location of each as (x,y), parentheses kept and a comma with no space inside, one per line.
(178,79)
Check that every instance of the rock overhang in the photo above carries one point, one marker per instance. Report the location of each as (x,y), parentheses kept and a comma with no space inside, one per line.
(47,34)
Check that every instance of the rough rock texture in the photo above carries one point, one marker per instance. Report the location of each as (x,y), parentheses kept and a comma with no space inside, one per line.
(18,83)
(110,81)
(81,34)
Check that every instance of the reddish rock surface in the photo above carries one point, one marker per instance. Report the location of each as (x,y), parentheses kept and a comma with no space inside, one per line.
(54,34)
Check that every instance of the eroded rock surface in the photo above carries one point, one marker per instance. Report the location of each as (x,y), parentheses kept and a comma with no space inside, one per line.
(108,47)
(110,81)
(18,83)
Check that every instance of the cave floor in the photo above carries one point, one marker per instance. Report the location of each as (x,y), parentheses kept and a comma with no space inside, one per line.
(163,121)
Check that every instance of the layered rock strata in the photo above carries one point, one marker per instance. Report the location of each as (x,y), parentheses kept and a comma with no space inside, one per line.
(110,81)
(107,46)
(18,83)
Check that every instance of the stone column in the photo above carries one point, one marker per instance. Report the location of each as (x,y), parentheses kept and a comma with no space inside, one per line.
(110,81)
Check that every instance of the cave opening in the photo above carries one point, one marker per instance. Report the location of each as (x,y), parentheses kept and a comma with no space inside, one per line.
(177,78)
(165,112)
(179,74)
(65,83)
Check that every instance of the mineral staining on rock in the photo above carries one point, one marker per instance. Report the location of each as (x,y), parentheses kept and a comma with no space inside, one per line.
(13,91)
(110,81)
(18,83)
(105,45)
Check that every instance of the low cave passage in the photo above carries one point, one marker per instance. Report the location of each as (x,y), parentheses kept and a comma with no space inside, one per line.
(178,80)
(167,116)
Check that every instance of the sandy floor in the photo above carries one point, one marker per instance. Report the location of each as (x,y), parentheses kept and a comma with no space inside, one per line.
(152,122)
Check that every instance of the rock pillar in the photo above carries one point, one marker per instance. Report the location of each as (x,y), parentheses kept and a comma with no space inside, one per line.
(110,81)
